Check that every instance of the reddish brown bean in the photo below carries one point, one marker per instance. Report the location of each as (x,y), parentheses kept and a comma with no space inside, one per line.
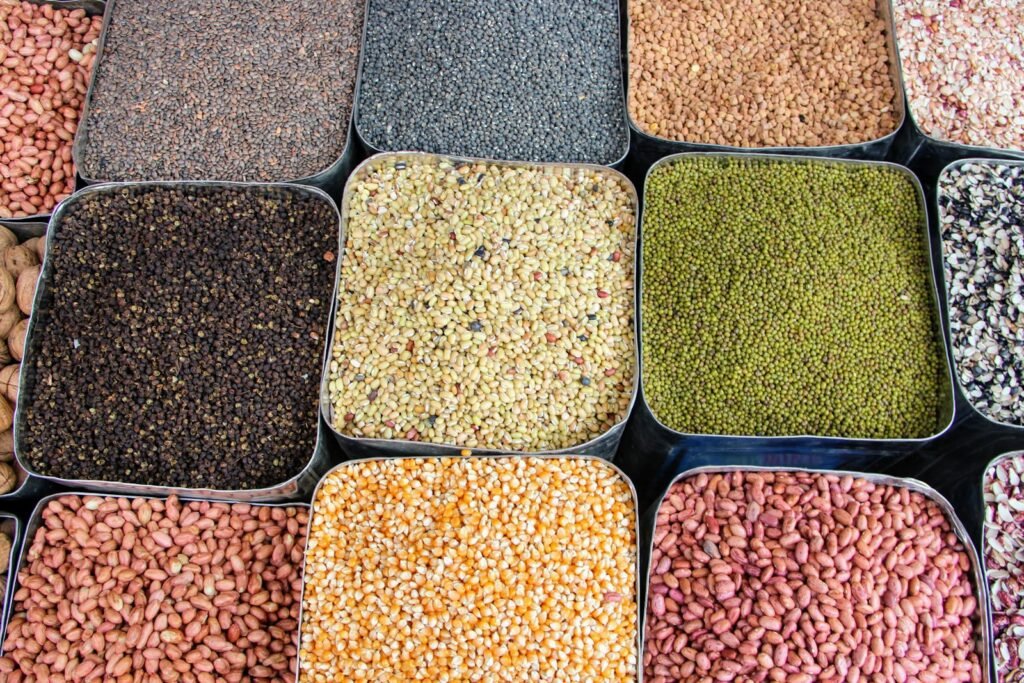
(797,577)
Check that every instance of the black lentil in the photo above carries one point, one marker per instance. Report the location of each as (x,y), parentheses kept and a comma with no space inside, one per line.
(536,81)
(234,90)
(182,338)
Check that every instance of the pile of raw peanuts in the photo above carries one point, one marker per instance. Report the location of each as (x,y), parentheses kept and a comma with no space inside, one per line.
(47,55)
(1004,561)
(800,577)
(471,569)
(140,589)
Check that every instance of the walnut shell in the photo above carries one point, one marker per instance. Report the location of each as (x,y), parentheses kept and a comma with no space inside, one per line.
(7,446)
(9,377)
(41,248)
(16,340)
(8,319)
(18,258)
(8,290)
(26,288)
(5,552)
(6,416)
(7,238)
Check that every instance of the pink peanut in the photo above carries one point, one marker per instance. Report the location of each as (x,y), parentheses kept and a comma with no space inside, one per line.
(181,600)
(47,56)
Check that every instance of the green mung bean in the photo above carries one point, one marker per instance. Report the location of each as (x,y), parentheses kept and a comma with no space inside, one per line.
(788,298)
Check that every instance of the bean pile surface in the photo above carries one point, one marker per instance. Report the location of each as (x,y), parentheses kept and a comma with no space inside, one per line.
(802,577)
(182,339)
(962,68)
(1004,562)
(530,81)
(234,90)
(459,569)
(47,56)
(761,73)
(141,589)
(981,213)
(787,298)
(1009,647)
(485,305)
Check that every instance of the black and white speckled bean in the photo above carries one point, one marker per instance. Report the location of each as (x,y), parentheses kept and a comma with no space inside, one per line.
(981,208)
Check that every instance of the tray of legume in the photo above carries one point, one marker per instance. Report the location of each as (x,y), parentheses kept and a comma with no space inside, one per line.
(177,340)
(812,576)
(472,568)
(483,305)
(165,589)
(961,67)
(531,81)
(805,76)
(1003,552)
(238,90)
(1008,647)
(790,297)
(981,213)
(49,49)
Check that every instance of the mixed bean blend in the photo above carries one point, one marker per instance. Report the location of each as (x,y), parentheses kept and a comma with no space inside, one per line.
(981,217)
(1004,562)
(485,305)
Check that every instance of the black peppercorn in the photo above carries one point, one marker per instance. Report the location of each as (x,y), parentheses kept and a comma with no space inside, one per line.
(182,337)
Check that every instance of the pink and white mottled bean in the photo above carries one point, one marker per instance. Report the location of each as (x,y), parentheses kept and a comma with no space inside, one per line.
(962,67)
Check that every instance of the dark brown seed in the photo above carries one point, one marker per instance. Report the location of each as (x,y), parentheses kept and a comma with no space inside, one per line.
(177,347)
(253,90)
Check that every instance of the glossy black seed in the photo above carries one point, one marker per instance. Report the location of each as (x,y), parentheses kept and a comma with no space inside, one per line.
(537,81)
